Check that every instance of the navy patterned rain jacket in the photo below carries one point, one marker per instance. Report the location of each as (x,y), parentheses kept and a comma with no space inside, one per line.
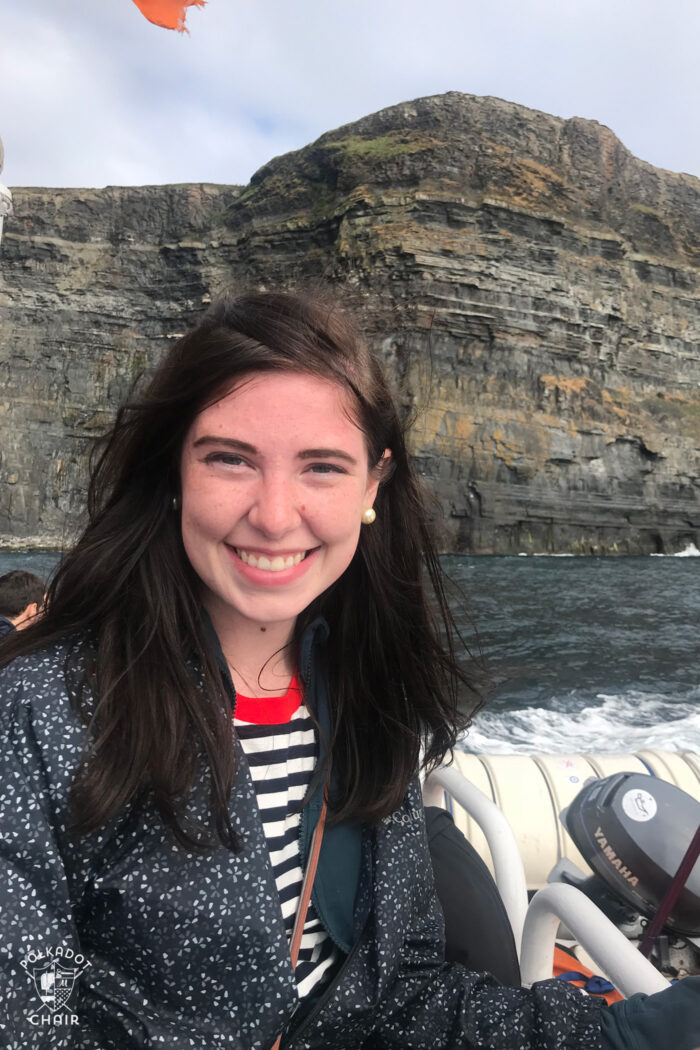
(122,939)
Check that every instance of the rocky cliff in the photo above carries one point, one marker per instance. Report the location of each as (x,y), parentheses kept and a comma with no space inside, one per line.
(533,288)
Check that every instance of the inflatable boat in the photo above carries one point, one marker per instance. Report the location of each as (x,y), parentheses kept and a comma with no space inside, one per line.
(598,854)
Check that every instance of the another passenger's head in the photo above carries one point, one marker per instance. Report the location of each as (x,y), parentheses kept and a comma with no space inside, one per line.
(21,597)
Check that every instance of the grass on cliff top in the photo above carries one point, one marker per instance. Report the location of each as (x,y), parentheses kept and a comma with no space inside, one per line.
(393,144)
(644,209)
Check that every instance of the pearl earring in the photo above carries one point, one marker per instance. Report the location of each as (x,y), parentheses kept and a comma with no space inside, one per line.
(176,503)
(368,516)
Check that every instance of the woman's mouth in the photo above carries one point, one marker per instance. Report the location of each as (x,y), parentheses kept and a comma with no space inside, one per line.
(268,563)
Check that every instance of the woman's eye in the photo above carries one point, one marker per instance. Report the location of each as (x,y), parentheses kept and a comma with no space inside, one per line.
(326,468)
(228,458)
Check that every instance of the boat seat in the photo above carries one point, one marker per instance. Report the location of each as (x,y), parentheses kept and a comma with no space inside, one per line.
(477,930)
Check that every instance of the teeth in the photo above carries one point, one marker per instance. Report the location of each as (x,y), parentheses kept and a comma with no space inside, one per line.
(270,565)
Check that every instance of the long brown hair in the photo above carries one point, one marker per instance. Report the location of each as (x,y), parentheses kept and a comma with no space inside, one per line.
(128,594)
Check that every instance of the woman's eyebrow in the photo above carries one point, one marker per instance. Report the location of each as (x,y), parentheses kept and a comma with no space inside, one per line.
(327,453)
(240,446)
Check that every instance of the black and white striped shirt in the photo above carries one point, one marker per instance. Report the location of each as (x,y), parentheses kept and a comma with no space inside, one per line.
(279,739)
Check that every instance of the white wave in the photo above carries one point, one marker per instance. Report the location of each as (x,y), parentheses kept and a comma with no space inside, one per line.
(546,554)
(689,551)
(615,723)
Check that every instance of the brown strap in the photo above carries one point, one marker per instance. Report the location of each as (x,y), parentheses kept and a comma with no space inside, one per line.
(305,895)
(308,884)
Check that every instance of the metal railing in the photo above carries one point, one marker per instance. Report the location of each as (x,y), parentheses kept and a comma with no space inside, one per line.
(507,863)
(621,962)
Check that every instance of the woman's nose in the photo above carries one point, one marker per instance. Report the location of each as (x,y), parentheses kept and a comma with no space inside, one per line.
(274,510)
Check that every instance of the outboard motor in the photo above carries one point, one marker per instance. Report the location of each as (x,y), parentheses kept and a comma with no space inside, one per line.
(634,830)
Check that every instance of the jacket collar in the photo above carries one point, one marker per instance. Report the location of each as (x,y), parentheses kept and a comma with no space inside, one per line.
(315,634)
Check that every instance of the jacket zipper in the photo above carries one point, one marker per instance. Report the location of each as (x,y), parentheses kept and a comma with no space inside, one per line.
(289,1037)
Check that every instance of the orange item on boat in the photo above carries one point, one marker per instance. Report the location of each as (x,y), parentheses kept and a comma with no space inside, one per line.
(568,968)
(169,14)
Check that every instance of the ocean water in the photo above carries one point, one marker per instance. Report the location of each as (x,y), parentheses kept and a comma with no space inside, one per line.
(584,654)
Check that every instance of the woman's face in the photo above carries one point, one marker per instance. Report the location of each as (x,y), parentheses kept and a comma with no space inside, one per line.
(274,480)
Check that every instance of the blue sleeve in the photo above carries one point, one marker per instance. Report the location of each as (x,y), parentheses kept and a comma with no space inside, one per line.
(668,1020)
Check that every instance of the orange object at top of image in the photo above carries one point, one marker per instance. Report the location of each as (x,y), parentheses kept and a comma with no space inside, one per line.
(169,14)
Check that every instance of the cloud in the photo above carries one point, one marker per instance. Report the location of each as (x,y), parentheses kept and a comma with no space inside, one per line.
(92,94)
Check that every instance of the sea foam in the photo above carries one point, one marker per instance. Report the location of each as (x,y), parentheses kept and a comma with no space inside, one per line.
(689,551)
(608,722)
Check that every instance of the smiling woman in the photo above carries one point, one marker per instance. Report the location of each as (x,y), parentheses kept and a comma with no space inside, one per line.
(270,527)
(210,743)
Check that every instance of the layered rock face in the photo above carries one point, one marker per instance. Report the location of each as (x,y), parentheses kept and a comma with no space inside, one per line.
(533,288)
(94,284)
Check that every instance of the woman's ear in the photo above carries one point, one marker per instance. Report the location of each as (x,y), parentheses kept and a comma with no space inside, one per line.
(376,475)
(384,463)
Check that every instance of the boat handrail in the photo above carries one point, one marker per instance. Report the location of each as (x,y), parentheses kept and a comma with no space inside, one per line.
(621,962)
(507,862)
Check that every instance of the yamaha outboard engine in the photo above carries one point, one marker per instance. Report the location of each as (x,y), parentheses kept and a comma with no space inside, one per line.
(634,830)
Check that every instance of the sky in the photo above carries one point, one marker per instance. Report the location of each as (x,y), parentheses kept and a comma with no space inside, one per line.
(91,94)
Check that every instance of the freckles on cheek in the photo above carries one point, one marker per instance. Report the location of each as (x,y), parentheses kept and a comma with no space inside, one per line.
(206,519)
